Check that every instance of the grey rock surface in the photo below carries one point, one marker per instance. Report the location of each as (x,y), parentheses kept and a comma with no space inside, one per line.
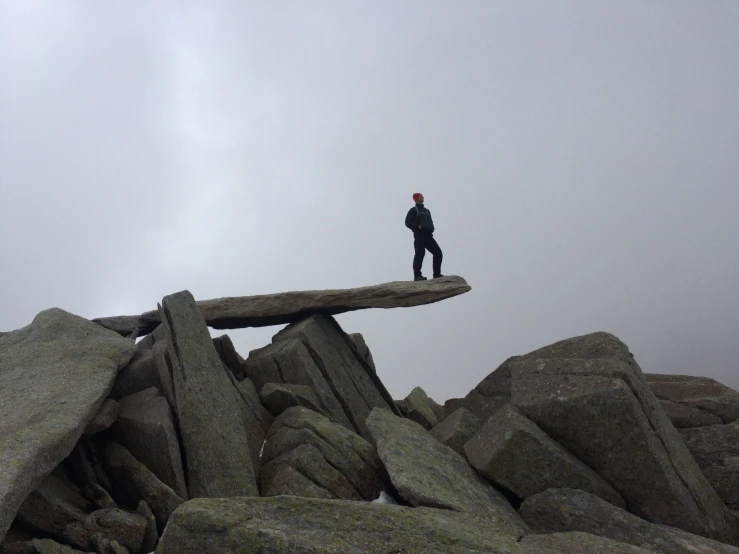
(278,397)
(357,388)
(684,416)
(515,454)
(588,393)
(227,352)
(54,375)
(457,429)
(287,525)
(289,361)
(428,473)
(419,407)
(104,418)
(218,460)
(146,427)
(140,482)
(702,393)
(560,510)
(354,457)
(289,307)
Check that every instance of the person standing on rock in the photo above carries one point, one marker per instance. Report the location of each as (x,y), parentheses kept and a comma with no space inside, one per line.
(419,221)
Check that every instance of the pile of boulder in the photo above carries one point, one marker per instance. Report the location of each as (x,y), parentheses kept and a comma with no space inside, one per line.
(142,434)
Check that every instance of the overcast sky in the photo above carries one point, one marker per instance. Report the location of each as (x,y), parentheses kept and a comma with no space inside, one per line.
(580,159)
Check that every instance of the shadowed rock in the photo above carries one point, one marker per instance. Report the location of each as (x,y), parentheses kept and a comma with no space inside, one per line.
(231,359)
(420,408)
(515,454)
(104,418)
(140,482)
(308,461)
(363,350)
(357,388)
(428,473)
(576,543)
(588,393)
(684,416)
(146,428)
(279,397)
(48,546)
(289,307)
(54,375)
(703,393)
(351,455)
(289,361)
(218,460)
(558,510)
(457,429)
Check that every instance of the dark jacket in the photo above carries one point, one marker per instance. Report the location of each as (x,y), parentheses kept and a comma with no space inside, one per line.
(419,215)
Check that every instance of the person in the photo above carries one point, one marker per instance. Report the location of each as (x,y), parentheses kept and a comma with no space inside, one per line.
(419,221)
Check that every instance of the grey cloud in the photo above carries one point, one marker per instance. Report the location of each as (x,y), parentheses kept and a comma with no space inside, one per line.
(579,159)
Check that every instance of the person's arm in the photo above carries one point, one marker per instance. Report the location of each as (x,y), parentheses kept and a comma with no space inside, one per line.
(411,218)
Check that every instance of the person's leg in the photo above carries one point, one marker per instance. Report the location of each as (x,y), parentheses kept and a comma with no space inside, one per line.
(419,245)
(435,249)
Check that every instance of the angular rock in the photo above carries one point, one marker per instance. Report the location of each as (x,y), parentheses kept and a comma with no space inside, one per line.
(146,428)
(139,374)
(279,397)
(54,375)
(684,416)
(289,307)
(214,440)
(702,393)
(428,473)
(51,506)
(588,394)
(286,525)
(250,395)
(725,481)
(711,446)
(151,536)
(481,406)
(255,432)
(513,453)
(290,362)
(351,455)
(287,480)
(227,352)
(140,483)
(363,350)
(559,510)
(419,409)
(163,362)
(457,429)
(310,463)
(356,387)
(104,418)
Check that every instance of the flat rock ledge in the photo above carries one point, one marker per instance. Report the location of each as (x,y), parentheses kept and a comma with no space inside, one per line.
(288,307)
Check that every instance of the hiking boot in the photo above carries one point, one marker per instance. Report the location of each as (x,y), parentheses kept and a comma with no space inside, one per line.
(438,275)
(420,278)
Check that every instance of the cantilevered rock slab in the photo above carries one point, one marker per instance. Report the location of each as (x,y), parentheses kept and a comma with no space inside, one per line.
(217,458)
(289,307)
(54,375)
(428,473)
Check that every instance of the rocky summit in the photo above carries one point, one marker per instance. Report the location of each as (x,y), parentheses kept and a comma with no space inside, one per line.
(176,443)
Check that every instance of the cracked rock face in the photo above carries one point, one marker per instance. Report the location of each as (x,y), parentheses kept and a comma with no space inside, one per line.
(589,395)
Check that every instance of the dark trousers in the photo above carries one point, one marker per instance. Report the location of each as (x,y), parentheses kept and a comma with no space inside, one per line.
(421,243)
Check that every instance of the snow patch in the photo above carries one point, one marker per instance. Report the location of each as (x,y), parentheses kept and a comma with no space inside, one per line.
(384,498)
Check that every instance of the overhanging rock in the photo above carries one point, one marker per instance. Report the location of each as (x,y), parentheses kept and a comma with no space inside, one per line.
(288,307)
